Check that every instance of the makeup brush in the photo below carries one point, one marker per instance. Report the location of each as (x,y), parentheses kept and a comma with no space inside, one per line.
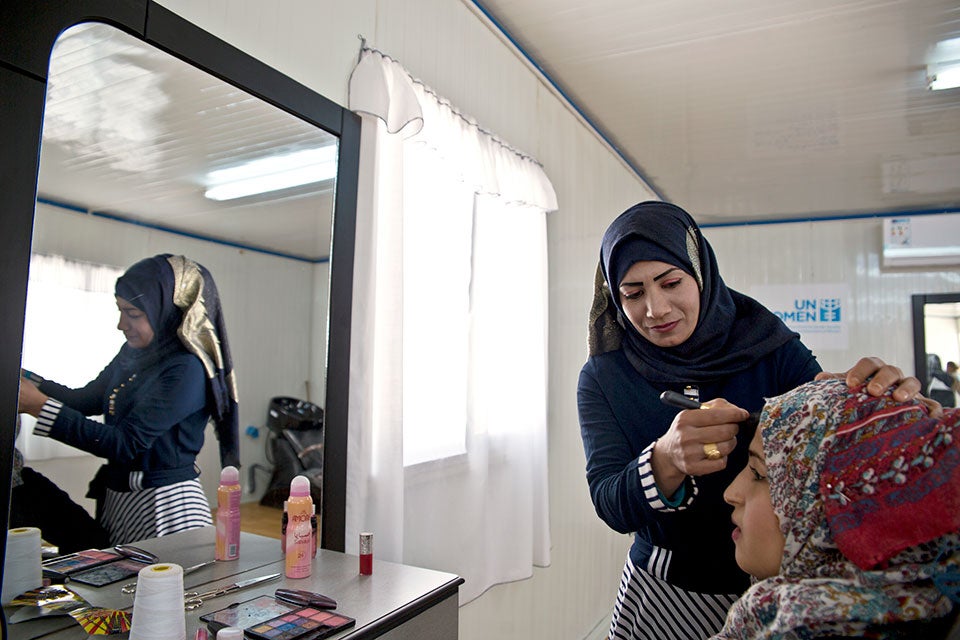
(674,399)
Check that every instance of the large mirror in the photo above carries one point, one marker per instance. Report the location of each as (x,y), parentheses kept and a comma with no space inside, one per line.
(936,342)
(143,117)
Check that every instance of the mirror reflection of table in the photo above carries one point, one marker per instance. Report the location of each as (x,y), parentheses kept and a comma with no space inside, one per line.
(396,602)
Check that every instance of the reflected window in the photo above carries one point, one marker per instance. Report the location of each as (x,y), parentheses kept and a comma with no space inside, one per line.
(65,292)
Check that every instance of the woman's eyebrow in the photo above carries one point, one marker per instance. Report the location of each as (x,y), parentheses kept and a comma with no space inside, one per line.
(670,270)
(655,278)
(753,454)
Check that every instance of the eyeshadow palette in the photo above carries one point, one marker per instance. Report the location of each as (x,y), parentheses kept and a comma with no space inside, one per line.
(247,613)
(69,564)
(304,623)
(108,573)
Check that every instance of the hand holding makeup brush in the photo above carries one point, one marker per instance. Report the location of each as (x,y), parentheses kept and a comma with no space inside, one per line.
(685,449)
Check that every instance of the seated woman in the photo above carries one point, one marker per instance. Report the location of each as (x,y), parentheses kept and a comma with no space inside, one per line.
(156,396)
(848,513)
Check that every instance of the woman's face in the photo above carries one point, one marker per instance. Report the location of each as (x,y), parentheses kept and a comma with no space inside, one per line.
(757,536)
(134,324)
(661,301)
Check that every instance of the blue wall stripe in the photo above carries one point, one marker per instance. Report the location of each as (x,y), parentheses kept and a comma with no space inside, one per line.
(179,232)
(851,216)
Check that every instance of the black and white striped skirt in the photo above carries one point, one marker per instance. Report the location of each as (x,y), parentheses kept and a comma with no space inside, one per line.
(648,607)
(129,516)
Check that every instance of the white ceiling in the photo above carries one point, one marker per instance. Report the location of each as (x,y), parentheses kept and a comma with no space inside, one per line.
(759,109)
(132,132)
(735,109)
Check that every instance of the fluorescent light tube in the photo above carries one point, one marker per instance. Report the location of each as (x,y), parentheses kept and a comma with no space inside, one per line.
(273,173)
(945,76)
(943,65)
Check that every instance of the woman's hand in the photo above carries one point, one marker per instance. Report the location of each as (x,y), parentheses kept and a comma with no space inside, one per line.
(884,376)
(680,451)
(31,398)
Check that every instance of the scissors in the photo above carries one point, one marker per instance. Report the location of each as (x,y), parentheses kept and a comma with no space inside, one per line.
(131,587)
(194,600)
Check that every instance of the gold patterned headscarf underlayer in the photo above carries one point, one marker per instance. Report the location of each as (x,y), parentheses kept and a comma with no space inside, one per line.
(196,331)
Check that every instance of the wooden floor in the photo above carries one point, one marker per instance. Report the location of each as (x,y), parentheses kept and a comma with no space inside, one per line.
(255,518)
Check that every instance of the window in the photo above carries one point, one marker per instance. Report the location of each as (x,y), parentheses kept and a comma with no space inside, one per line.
(66,298)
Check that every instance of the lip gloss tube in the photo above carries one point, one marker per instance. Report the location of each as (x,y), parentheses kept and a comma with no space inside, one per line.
(366,554)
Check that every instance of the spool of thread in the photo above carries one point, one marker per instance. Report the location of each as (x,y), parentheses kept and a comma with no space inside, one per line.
(21,564)
(158,612)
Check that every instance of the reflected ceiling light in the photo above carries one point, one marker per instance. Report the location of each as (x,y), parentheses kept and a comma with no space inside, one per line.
(273,173)
(943,69)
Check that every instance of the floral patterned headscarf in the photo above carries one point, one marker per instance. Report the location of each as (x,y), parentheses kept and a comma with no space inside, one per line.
(867,491)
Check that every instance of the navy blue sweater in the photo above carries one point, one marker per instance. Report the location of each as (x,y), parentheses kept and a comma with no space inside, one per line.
(156,427)
(621,415)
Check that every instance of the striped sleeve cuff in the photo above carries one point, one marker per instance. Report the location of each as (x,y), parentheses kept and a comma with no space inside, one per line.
(684,496)
(48,414)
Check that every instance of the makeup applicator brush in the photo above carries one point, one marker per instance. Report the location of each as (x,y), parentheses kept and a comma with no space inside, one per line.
(674,399)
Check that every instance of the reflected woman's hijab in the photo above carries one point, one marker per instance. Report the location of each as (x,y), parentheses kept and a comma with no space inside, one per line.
(181,301)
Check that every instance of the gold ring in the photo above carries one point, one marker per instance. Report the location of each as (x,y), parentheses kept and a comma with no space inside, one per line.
(711,451)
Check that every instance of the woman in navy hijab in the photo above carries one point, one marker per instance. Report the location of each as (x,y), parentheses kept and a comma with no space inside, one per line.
(663,319)
(156,396)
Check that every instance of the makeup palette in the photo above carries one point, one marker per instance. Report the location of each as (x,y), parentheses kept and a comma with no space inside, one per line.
(246,614)
(304,623)
(66,565)
(108,573)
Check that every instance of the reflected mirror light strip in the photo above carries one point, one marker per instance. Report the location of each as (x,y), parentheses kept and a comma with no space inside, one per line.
(273,174)
(943,65)
(945,76)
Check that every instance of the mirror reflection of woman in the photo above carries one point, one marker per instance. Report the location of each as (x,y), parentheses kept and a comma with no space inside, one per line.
(156,396)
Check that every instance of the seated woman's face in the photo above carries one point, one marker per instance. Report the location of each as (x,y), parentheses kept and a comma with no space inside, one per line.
(662,301)
(757,537)
(134,324)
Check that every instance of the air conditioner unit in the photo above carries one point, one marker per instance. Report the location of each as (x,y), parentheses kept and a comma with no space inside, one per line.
(922,241)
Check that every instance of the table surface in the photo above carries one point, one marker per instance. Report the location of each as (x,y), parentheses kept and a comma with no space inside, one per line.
(380,601)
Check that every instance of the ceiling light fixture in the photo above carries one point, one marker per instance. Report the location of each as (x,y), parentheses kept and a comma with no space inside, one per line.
(273,173)
(943,68)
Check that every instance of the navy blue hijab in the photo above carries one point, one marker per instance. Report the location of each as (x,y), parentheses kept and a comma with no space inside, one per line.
(733,331)
(148,285)
(181,301)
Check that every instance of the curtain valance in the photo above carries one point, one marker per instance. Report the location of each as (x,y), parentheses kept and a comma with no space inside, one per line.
(383,88)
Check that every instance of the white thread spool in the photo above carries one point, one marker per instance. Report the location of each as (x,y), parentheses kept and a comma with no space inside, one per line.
(158,605)
(21,564)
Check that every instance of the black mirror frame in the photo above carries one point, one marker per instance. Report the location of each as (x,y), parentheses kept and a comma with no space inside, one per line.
(28,30)
(917,303)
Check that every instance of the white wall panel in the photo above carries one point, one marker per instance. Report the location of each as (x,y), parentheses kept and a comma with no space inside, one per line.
(840,251)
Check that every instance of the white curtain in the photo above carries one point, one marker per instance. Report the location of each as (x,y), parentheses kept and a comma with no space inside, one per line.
(447,456)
